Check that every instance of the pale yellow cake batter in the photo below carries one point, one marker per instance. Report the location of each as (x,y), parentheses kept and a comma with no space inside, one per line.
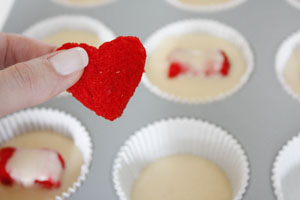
(204,2)
(291,71)
(194,87)
(73,35)
(182,177)
(62,144)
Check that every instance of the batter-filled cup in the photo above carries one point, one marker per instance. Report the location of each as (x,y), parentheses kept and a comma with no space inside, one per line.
(83,3)
(286,171)
(287,65)
(48,129)
(70,28)
(198,41)
(179,137)
(205,5)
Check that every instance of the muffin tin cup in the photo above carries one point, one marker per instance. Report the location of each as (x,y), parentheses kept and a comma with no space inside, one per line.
(66,3)
(180,136)
(294,3)
(206,8)
(200,26)
(51,120)
(283,54)
(51,25)
(285,172)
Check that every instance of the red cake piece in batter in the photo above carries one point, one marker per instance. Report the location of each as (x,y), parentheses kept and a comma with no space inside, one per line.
(27,168)
(216,63)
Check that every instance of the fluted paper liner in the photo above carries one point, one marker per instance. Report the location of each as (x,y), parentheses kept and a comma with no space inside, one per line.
(206,8)
(283,54)
(200,26)
(51,120)
(285,173)
(180,136)
(51,25)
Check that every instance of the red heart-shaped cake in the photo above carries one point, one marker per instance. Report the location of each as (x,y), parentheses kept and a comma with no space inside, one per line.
(111,77)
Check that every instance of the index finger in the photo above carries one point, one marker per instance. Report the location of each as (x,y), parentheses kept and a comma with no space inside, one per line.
(16,48)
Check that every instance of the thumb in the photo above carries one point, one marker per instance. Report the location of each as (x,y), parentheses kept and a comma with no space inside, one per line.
(38,80)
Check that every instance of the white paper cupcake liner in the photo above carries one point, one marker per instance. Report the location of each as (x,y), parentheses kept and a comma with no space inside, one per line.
(51,120)
(206,8)
(180,136)
(286,171)
(51,25)
(283,54)
(200,26)
(82,5)
(294,3)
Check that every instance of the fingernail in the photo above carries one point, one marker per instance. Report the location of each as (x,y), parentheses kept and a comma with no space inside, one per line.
(68,61)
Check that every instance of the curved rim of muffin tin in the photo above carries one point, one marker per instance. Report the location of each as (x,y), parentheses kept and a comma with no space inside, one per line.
(65,3)
(294,3)
(283,53)
(207,9)
(275,178)
(45,27)
(85,168)
(212,24)
(116,163)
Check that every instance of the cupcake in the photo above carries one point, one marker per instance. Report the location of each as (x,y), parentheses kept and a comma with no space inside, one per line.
(172,158)
(197,61)
(205,5)
(287,65)
(44,153)
(285,173)
(70,28)
(82,3)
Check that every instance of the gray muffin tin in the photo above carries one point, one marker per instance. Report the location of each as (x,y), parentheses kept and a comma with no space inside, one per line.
(262,116)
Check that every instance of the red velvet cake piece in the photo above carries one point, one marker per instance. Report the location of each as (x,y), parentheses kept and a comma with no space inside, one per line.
(175,69)
(198,63)
(111,77)
(31,167)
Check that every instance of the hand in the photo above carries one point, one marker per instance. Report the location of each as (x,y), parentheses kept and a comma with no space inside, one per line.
(32,72)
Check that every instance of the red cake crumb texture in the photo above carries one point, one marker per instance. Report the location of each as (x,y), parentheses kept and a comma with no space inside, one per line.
(5,175)
(111,77)
(48,184)
(226,64)
(5,155)
(177,68)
